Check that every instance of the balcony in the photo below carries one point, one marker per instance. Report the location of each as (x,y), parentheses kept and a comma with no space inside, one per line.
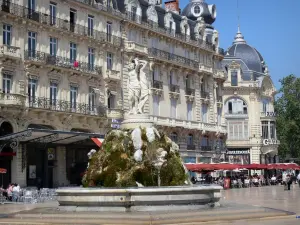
(66,106)
(206,148)
(220,74)
(61,24)
(268,115)
(114,113)
(190,91)
(157,87)
(191,147)
(174,88)
(10,52)
(240,115)
(10,99)
(36,57)
(112,75)
(172,58)
(206,68)
(131,46)
(204,95)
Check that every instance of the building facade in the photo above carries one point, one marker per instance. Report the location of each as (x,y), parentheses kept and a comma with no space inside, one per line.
(63,76)
(248,106)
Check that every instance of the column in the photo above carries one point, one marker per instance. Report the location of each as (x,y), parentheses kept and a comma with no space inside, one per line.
(17,175)
(60,171)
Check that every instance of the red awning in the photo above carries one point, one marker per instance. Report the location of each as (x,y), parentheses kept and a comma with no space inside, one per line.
(255,166)
(98,141)
(7,154)
(2,170)
(196,167)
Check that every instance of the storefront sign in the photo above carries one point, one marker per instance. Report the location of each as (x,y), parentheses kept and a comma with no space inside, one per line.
(270,142)
(238,152)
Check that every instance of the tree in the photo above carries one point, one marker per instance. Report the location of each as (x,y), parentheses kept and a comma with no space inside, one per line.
(287,108)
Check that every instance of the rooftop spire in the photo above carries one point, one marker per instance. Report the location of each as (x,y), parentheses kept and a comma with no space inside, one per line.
(239,38)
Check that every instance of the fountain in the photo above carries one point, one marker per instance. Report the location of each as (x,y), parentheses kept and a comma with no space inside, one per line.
(137,168)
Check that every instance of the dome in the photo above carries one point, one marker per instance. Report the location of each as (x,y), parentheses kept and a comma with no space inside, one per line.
(249,55)
(199,8)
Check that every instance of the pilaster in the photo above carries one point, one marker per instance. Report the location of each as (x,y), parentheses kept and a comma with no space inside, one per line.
(60,172)
(18,174)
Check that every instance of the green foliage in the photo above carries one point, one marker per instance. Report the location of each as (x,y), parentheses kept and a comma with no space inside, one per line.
(114,164)
(287,108)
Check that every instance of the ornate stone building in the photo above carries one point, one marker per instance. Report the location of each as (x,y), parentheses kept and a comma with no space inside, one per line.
(63,80)
(248,106)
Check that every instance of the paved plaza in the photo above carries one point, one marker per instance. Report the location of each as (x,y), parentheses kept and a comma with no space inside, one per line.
(263,205)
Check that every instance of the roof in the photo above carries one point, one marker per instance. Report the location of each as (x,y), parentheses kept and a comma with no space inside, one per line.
(49,136)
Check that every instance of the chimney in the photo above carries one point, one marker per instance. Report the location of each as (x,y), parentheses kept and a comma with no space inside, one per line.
(173,6)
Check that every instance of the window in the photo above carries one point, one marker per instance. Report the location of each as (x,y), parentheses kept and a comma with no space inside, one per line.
(236,106)
(155,74)
(111,101)
(190,140)
(52,13)
(234,78)
(7,83)
(171,27)
(108,31)
(90,25)
(173,108)
(172,49)
(265,105)
(31,44)
(109,61)
(265,129)
(72,20)
(53,46)
(31,5)
(91,58)
(73,97)
(174,137)
(187,54)
(219,119)
(92,98)
(32,85)
(272,130)
(189,111)
(73,52)
(171,78)
(53,93)
(237,130)
(155,105)
(133,12)
(196,9)
(154,42)
(204,113)
(6,34)
(204,141)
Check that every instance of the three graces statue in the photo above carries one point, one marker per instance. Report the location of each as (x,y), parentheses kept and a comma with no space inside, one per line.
(138,86)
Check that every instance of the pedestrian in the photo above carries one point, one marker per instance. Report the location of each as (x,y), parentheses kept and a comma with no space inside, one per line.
(289,182)
(298,179)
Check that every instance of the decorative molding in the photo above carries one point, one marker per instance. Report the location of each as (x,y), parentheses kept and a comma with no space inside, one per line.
(74,78)
(93,82)
(234,65)
(174,95)
(54,77)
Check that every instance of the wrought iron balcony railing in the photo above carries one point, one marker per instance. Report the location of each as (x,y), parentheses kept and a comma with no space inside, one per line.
(65,25)
(66,106)
(206,148)
(59,61)
(190,91)
(204,94)
(191,147)
(154,52)
(157,84)
(174,88)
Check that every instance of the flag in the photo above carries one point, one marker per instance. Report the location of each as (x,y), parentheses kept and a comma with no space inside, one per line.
(98,141)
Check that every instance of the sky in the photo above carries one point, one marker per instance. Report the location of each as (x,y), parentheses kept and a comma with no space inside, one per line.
(271,26)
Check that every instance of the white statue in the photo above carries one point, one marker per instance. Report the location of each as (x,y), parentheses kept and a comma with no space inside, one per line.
(134,87)
(144,86)
(138,86)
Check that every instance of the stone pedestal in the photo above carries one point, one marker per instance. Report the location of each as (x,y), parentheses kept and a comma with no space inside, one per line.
(136,120)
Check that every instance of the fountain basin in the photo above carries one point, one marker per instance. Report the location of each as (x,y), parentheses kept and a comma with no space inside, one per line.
(138,199)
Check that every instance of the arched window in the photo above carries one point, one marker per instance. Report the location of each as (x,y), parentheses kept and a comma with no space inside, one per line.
(6,128)
(174,137)
(236,106)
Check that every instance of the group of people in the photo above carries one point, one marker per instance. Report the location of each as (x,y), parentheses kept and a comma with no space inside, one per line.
(8,192)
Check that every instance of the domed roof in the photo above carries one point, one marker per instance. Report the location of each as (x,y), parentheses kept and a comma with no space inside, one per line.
(249,55)
(199,8)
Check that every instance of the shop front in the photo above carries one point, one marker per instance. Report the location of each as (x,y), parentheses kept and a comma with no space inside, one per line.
(238,156)
(45,156)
